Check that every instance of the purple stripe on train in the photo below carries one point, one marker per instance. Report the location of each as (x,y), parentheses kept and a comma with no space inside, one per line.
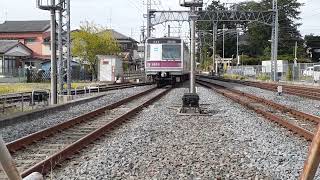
(169,63)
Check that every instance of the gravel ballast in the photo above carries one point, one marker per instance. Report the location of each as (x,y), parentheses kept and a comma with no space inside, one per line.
(13,132)
(299,103)
(233,143)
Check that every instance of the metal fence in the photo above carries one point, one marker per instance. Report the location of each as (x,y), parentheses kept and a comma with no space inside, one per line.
(37,75)
(301,72)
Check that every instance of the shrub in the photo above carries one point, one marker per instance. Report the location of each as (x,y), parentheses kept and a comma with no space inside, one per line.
(263,77)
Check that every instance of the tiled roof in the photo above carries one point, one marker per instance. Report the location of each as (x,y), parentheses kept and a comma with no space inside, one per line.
(6,45)
(120,36)
(24,26)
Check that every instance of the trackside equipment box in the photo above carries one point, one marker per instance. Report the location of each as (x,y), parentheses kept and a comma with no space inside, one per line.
(109,68)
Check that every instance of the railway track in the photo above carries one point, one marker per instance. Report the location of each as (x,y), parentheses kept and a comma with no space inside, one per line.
(26,96)
(43,150)
(298,122)
(307,92)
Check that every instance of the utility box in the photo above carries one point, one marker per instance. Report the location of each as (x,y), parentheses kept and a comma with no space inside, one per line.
(109,68)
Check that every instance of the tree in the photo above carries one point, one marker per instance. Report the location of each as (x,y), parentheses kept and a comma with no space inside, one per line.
(257,45)
(90,41)
(313,44)
(259,34)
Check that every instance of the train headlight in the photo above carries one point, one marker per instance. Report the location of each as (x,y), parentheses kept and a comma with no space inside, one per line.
(163,74)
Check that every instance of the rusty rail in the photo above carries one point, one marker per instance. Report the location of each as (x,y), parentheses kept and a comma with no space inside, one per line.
(47,164)
(237,96)
(27,140)
(313,160)
(307,92)
(53,160)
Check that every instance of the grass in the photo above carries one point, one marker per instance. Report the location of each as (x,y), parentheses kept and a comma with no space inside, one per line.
(234,76)
(6,88)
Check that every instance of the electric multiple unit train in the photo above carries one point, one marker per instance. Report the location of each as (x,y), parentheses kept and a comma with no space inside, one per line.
(167,60)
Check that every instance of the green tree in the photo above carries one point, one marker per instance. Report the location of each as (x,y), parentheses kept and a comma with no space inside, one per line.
(258,34)
(92,40)
(313,42)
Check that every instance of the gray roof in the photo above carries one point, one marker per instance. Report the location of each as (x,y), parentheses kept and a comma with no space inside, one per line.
(24,26)
(6,45)
(120,36)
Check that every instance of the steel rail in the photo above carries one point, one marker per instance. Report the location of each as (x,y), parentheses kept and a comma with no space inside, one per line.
(27,140)
(50,162)
(17,97)
(307,92)
(238,97)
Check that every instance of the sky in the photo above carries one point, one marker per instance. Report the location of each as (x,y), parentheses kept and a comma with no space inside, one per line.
(126,16)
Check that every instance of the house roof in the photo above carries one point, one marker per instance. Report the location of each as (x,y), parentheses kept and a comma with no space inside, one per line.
(24,26)
(6,45)
(120,37)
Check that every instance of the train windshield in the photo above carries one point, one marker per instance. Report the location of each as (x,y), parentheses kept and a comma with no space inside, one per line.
(171,52)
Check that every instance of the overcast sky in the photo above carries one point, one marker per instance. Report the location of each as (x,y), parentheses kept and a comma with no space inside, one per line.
(125,16)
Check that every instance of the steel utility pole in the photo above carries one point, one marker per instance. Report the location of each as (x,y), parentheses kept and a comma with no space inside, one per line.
(64,47)
(149,4)
(60,49)
(53,56)
(274,39)
(214,61)
(52,7)
(238,59)
(193,48)
(223,26)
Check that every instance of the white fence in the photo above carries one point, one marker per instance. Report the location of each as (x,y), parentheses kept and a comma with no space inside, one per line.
(301,72)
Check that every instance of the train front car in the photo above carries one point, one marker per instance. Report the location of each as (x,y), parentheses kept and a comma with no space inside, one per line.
(167,60)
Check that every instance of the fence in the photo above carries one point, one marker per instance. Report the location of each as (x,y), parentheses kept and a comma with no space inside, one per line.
(34,75)
(134,75)
(301,72)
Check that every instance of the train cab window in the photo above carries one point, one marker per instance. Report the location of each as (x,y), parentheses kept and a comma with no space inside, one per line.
(171,52)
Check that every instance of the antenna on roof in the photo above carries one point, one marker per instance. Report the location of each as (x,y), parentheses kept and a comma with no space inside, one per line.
(109,19)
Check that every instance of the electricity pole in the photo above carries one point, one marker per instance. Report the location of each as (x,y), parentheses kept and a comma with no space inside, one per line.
(193,47)
(223,26)
(64,41)
(274,39)
(60,49)
(52,7)
(294,61)
(214,62)
(238,59)
(53,57)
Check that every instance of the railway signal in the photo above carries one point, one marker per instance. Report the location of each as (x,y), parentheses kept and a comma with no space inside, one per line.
(190,101)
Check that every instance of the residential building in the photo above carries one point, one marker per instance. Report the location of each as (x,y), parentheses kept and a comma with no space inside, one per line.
(35,35)
(13,54)
(128,45)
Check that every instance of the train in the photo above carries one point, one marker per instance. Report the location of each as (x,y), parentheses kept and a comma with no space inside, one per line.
(167,60)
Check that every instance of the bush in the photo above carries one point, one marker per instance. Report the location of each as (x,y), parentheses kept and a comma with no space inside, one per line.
(234,76)
(263,77)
